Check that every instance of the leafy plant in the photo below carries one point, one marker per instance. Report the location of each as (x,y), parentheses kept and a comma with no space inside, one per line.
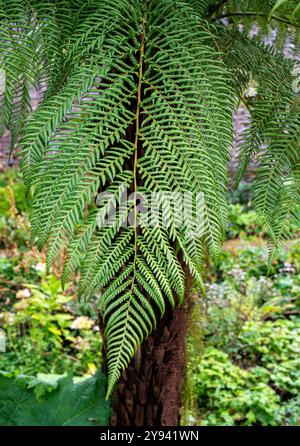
(138,96)
(251,338)
(64,403)
(242,223)
(43,334)
(229,395)
(242,194)
(290,412)
(12,193)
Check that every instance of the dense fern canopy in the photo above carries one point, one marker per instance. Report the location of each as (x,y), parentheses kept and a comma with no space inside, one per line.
(138,96)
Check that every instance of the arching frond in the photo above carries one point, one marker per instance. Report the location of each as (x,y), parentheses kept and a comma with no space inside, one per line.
(137,98)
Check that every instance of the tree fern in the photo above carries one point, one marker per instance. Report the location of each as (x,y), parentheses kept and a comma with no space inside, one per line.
(138,96)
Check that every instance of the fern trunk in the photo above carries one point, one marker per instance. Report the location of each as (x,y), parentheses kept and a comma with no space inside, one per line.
(150,390)
(149,393)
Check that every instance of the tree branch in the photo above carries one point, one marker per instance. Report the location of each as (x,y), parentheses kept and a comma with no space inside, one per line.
(258,14)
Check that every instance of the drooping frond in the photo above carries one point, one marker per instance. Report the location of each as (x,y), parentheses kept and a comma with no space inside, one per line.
(274,22)
(19,65)
(138,99)
(271,136)
(276,186)
(32,34)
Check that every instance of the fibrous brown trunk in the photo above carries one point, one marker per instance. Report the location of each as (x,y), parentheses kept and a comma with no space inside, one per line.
(149,392)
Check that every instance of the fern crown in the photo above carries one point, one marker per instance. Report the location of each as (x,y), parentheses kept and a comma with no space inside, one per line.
(139,96)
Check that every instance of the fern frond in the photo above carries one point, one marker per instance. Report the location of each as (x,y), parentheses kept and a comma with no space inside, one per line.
(271,136)
(138,97)
(272,22)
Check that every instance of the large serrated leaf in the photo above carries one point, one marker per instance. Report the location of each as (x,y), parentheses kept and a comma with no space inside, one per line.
(80,404)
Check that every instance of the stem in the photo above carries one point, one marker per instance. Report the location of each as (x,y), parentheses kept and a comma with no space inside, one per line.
(245,104)
(135,184)
(137,115)
(137,134)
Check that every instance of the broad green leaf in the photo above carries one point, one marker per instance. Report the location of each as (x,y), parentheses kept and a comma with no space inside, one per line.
(70,404)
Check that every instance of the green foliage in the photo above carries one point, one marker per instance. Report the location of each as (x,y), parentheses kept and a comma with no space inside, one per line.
(271,135)
(61,401)
(290,412)
(46,329)
(241,194)
(43,333)
(281,16)
(194,350)
(275,345)
(243,223)
(229,395)
(249,371)
(250,255)
(11,189)
(139,95)
(233,390)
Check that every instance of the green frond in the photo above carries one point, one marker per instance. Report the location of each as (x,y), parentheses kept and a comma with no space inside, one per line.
(272,191)
(137,98)
(271,136)
(273,21)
